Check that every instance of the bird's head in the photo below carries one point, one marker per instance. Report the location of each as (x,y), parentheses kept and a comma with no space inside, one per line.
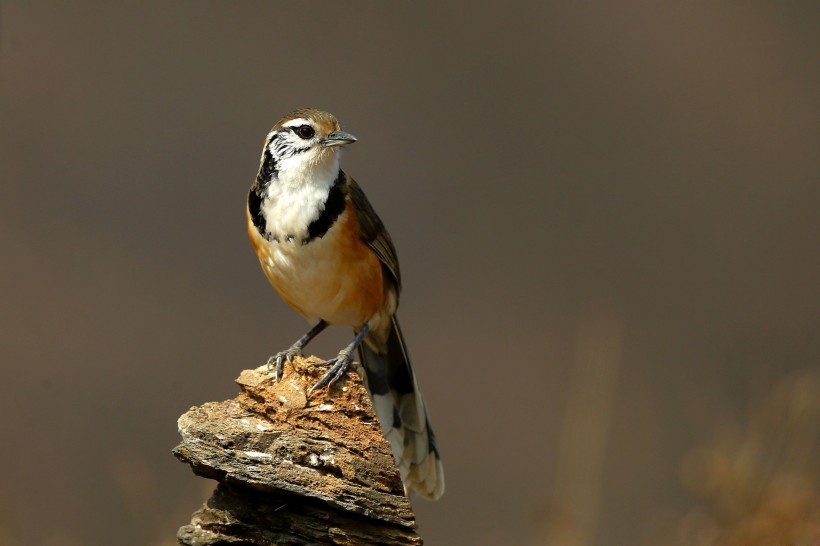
(305,141)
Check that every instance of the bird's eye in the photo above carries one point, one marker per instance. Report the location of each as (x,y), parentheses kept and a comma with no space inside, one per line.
(305,131)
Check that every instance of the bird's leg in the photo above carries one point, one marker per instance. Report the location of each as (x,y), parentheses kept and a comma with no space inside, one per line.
(277,361)
(341,362)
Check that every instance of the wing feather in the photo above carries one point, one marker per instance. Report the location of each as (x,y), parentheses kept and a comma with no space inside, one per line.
(373,232)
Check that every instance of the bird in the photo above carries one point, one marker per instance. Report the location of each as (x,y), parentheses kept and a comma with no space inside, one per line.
(329,257)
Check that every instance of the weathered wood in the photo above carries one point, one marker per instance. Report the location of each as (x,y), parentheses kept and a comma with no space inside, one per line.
(292,470)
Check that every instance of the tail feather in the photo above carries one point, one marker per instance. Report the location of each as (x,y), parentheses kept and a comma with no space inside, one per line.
(402,414)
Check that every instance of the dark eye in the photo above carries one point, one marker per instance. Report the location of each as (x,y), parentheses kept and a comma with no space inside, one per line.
(305,131)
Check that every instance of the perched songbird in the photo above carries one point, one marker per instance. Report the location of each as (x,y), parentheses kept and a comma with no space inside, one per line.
(328,255)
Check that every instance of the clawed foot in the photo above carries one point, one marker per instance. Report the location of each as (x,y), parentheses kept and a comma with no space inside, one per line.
(276,363)
(338,366)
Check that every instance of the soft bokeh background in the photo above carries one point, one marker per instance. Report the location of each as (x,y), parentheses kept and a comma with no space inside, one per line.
(607,216)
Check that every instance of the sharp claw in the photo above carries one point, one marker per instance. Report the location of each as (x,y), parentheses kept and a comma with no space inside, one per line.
(276,363)
(334,374)
(324,379)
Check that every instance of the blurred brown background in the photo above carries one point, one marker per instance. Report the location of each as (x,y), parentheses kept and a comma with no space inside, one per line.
(606,214)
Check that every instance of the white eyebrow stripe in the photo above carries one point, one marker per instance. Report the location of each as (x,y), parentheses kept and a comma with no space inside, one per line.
(295,122)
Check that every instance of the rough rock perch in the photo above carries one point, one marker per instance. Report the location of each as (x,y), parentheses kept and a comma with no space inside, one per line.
(293,472)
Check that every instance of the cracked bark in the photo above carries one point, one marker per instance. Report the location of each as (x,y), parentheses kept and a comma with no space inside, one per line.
(294,471)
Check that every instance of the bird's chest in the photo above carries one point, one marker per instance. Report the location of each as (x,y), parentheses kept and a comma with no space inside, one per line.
(335,277)
(288,210)
(300,270)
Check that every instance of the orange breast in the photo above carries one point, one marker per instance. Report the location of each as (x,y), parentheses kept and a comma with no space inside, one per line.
(336,278)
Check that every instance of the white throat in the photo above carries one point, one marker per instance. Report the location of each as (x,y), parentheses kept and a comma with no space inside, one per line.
(297,196)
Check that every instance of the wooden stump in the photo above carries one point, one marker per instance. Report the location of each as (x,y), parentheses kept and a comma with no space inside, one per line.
(294,471)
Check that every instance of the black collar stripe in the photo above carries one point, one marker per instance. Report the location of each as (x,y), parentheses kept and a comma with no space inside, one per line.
(334,206)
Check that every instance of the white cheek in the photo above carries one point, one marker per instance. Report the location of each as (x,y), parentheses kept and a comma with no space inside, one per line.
(296,168)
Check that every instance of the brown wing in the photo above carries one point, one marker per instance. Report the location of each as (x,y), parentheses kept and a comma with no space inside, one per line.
(374,233)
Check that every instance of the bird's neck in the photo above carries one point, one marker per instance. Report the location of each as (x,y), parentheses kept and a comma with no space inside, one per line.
(294,198)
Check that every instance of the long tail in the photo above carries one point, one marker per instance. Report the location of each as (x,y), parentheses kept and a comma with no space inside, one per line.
(402,414)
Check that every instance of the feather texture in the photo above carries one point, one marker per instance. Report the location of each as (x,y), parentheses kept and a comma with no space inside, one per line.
(402,414)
